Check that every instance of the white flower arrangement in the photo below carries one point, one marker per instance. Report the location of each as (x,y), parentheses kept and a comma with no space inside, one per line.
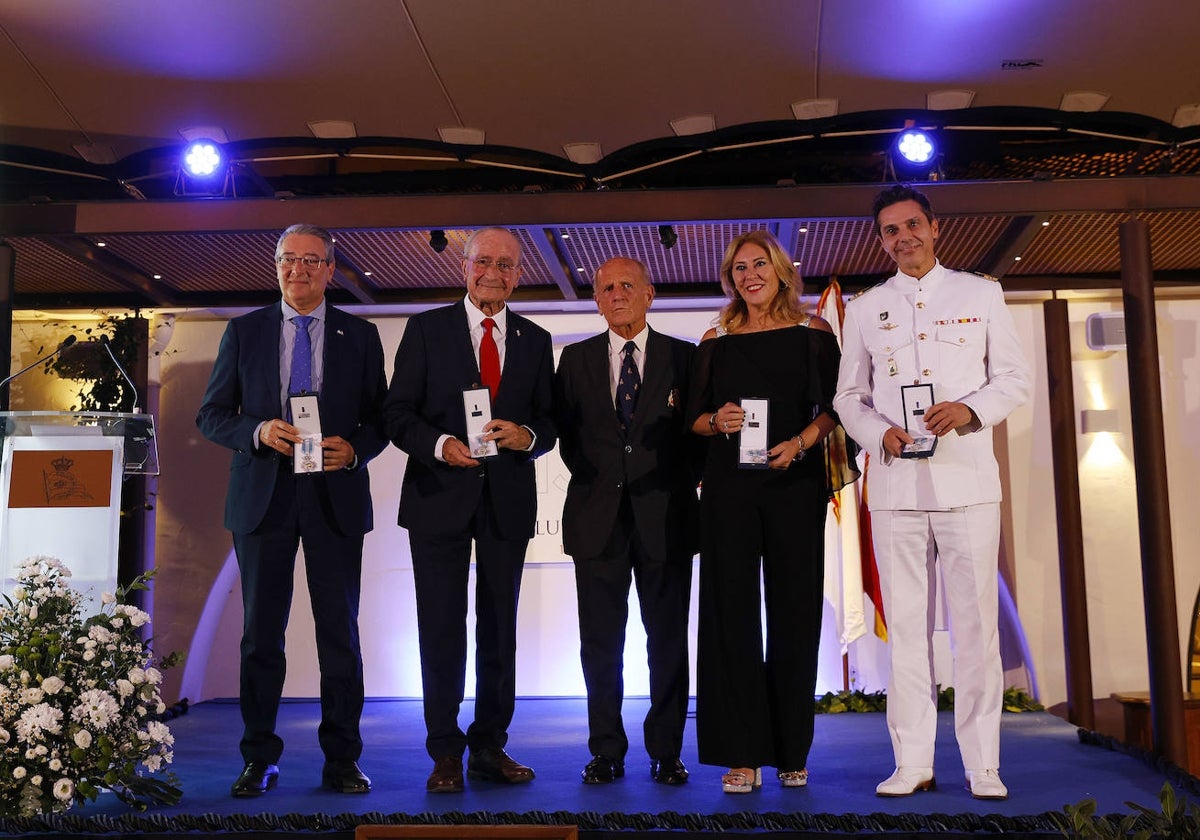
(79,698)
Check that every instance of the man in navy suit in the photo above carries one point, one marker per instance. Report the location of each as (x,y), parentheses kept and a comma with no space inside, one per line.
(450,500)
(271,509)
(631,509)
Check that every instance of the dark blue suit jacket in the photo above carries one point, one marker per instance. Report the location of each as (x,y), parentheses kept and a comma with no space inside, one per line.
(244,390)
(435,363)
(658,463)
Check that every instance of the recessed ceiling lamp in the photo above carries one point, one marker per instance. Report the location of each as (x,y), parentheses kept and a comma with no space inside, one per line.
(695,124)
(949,100)
(205,132)
(814,109)
(583,153)
(96,152)
(332,129)
(1083,100)
(1186,116)
(460,135)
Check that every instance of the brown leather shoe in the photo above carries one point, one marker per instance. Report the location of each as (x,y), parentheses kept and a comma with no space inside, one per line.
(447,776)
(493,765)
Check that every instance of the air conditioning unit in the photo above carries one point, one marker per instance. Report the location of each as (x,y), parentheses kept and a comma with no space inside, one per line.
(1105,331)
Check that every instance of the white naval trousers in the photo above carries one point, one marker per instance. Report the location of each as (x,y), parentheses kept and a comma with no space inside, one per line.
(910,545)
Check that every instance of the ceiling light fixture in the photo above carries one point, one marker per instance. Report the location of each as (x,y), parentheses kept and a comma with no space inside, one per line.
(332,129)
(814,109)
(949,100)
(695,124)
(460,135)
(667,236)
(583,153)
(1083,100)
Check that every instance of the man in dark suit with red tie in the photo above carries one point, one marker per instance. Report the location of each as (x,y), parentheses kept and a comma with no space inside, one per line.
(450,500)
(631,509)
(299,346)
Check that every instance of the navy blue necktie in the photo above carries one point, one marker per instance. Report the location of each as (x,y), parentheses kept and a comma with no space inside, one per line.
(628,384)
(301,378)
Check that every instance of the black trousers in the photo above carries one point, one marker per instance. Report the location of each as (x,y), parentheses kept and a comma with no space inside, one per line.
(441,572)
(299,513)
(664,591)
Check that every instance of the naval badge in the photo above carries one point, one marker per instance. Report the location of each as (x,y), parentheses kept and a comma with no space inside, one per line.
(673,398)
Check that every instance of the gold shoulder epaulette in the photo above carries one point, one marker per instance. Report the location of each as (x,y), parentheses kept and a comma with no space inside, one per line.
(991,277)
(857,295)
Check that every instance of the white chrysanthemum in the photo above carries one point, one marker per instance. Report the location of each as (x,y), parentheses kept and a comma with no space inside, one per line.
(53,685)
(38,719)
(137,676)
(136,617)
(55,764)
(160,732)
(96,707)
(31,696)
(124,689)
(64,789)
(5,736)
(153,676)
(89,655)
(20,773)
(6,661)
(83,739)
(153,763)
(100,634)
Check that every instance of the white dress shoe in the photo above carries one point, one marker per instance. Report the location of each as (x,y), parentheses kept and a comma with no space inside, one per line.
(986,784)
(906,781)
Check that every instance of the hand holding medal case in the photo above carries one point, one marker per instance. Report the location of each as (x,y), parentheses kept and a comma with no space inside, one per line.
(916,400)
(307,455)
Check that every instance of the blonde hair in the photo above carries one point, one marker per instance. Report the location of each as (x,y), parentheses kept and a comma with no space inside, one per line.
(785,307)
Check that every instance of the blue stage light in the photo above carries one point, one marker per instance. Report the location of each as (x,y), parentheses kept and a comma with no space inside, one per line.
(203,159)
(915,148)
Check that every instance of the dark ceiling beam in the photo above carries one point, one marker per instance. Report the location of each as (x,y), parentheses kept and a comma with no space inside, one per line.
(114,268)
(548,243)
(595,207)
(1010,244)
(351,278)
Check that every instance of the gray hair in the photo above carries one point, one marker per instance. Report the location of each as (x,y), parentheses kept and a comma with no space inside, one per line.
(307,230)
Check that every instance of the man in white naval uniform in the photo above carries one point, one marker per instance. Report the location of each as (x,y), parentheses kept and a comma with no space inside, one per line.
(929,325)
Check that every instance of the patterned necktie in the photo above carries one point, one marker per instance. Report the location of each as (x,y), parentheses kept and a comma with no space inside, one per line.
(628,383)
(489,359)
(301,378)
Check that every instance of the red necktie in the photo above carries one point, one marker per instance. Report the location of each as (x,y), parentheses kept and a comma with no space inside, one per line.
(489,359)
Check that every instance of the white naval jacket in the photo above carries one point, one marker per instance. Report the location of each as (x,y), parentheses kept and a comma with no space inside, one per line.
(948,328)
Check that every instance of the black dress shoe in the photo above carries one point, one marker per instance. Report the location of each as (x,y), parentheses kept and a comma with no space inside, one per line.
(668,772)
(344,777)
(493,765)
(447,776)
(602,770)
(257,778)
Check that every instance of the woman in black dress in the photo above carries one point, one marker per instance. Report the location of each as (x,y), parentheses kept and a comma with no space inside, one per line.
(754,709)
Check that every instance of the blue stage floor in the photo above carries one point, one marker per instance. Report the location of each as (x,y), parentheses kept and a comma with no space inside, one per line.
(1044,764)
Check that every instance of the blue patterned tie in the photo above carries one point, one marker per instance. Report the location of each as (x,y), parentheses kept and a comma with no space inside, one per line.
(301,379)
(628,384)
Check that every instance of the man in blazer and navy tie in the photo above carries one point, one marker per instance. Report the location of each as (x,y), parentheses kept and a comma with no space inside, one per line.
(631,509)
(301,344)
(450,500)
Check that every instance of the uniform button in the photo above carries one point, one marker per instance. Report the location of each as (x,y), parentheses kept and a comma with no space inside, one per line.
(925,372)
(620,484)
(962,340)
(921,336)
(920,304)
(628,448)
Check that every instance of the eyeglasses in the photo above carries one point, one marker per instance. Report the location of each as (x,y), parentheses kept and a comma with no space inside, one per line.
(300,262)
(503,266)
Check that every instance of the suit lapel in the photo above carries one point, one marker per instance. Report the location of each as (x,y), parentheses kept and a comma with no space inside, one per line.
(655,376)
(463,352)
(597,375)
(267,350)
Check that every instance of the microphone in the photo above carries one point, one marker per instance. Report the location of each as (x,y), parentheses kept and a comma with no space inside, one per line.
(132,387)
(67,342)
